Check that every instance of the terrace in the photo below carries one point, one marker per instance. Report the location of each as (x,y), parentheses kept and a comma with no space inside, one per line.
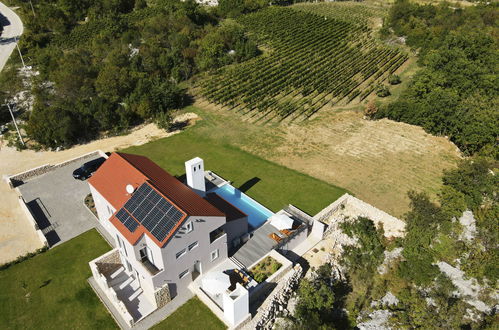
(119,289)
(268,237)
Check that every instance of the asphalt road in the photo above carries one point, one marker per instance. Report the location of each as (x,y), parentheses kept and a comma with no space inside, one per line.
(13,28)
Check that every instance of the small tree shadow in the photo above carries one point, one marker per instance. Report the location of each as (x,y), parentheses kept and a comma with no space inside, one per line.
(44,284)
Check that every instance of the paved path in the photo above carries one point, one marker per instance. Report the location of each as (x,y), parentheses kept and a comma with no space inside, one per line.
(13,28)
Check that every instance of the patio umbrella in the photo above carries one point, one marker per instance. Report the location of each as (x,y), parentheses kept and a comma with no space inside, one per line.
(215,282)
(280,221)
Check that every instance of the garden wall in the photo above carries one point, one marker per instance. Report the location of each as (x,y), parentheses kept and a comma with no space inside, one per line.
(19,178)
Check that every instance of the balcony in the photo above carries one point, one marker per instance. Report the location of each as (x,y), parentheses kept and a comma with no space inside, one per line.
(216,234)
(153,270)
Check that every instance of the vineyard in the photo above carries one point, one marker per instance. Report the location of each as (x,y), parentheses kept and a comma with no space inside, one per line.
(313,61)
(354,12)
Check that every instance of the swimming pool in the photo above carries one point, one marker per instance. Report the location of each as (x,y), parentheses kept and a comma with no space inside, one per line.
(257,213)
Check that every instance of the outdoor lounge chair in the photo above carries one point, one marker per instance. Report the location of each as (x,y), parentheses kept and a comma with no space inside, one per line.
(275,237)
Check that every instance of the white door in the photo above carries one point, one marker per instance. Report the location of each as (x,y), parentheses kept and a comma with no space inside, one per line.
(197,267)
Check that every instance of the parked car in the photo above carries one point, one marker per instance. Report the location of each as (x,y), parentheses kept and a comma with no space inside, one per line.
(87,169)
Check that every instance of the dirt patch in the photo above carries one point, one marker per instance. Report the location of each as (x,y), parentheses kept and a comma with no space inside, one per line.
(17,236)
(379,161)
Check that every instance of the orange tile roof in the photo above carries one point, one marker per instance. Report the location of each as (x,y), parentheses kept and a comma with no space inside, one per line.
(121,169)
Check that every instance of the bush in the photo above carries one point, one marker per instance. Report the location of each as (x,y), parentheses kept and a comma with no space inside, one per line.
(382,91)
(164,120)
(370,110)
(24,257)
(394,79)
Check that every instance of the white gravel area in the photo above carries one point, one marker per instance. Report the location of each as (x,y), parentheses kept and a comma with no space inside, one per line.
(467,220)
(468,289)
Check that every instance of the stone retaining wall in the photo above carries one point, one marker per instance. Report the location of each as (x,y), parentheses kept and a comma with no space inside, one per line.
(19,178)
(109,263)
(162,296)
(277,302)
(348,206)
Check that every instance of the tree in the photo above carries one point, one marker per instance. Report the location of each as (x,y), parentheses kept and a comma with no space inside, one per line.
(316,300)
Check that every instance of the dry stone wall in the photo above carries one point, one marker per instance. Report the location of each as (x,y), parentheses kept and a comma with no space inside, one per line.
(18,179)
(109,263)
(348,206)
(277,302)
(162,296)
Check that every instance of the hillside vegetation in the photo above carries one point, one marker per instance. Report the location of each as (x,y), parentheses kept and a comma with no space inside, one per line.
(311,61)
(442,275)
(456,94)
(107,65)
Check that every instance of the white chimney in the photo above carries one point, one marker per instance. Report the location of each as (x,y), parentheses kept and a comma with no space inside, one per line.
(194,171)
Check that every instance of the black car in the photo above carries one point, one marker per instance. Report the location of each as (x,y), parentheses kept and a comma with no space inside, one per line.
(87,169)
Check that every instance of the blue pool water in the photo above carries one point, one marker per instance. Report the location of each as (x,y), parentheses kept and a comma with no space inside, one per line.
(257,213)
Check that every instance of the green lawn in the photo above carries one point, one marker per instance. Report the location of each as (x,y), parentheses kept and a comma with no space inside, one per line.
(191,315)
(275,187)
(50,291)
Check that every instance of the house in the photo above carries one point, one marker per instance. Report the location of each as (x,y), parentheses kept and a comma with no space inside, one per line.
(173,239)
(167,233)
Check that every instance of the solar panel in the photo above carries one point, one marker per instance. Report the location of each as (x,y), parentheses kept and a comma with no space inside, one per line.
(154,212)
(127,220)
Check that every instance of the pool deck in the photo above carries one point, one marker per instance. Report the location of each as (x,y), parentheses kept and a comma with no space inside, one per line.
(257,246)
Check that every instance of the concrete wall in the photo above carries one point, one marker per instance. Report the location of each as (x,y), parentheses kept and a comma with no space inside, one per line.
(236,305)
(294,241)
(235,229)
(271,281)
(31,219)
(101,281)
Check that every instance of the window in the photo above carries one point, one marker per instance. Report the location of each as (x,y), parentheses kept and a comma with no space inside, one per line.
(183,274)
(194,169)
(193,246)
(121,244)
(146,254)
(189,227)
(216,234)
(181,253)
(214,254)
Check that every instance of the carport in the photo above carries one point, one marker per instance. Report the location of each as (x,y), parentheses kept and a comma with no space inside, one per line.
(55,200)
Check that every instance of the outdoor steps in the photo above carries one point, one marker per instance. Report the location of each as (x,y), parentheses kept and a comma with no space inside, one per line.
(135,294)
(117,272)
(125,283)
(237,262)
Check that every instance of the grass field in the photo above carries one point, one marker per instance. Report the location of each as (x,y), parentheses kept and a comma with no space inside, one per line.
(274,186)
(378,161)
(192,315)
(50,291)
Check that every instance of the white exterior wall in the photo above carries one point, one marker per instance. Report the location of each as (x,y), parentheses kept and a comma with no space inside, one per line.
(194,172)
(182,239)
(165,258)
(102,206)
(236,305)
